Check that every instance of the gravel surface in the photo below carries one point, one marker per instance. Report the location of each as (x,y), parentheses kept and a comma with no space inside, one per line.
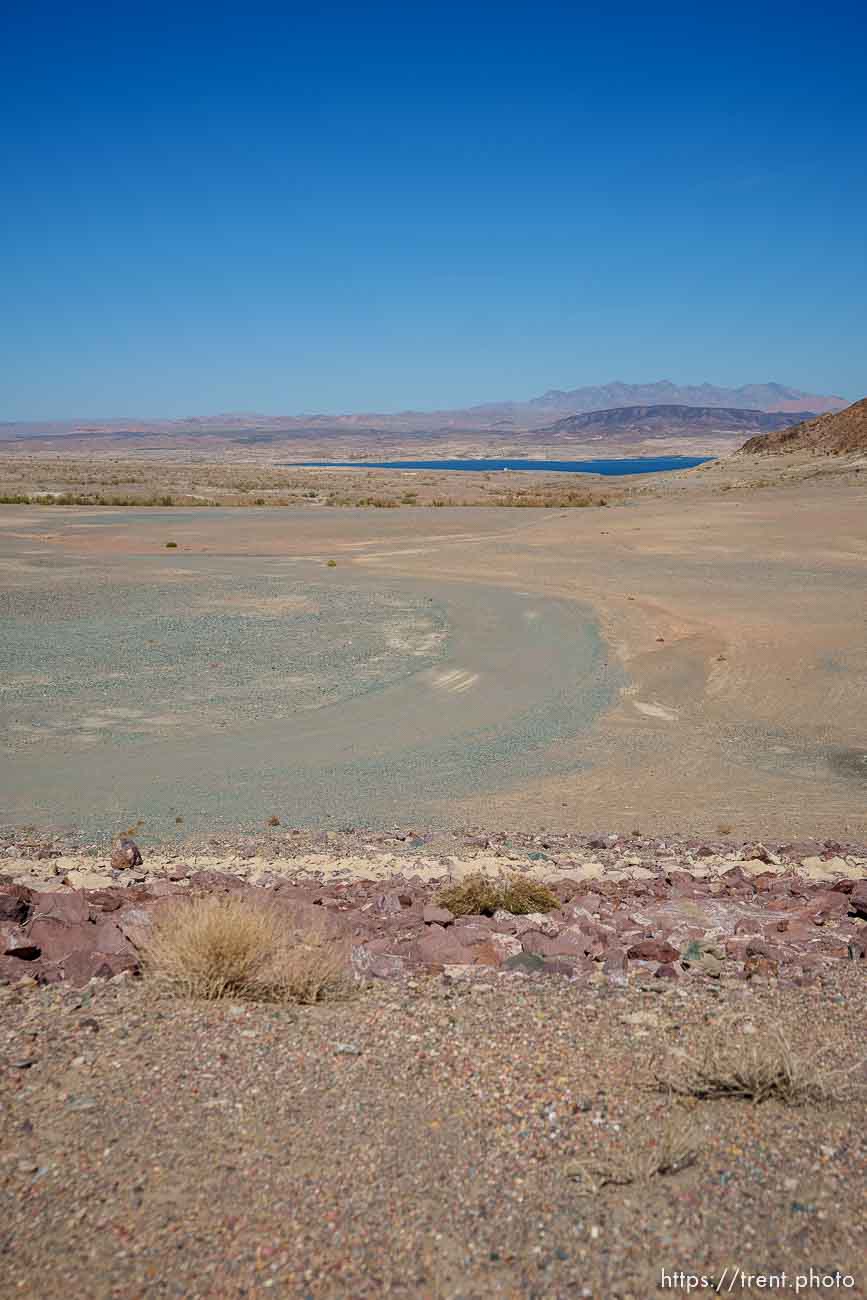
(220,688)
(421,1140)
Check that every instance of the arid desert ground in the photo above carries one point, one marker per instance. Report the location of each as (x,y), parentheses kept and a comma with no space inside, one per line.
(691,656)
(330,717)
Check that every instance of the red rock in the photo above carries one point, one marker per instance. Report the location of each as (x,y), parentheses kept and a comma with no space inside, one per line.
(488,954)
(439,946)
(108,938)
(829,902)
(571,943)
(653,950)
(763,966)
(858,899)
(433,915)
(111,900)
(82,965)
(65,907)
(15,903)
(126,854)
(469,935)
(164,889)
(761,948)
(669,971)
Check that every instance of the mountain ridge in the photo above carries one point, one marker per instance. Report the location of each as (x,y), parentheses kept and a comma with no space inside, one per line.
(536,412)
(672,418)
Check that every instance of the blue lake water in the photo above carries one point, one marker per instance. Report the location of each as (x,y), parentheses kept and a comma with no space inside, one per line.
(623,465)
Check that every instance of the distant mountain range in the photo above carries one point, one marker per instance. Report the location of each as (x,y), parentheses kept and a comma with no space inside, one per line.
(536,413)
(616,395)
(671,419)
(829,435)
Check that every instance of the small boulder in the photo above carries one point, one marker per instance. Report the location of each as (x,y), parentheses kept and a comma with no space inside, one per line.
(433,915)
(653,950)
(125,854)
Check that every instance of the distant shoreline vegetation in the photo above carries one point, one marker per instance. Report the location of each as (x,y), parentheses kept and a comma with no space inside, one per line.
(612,467)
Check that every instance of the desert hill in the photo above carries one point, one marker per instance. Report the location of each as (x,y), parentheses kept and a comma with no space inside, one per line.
(672,418)
(830,435)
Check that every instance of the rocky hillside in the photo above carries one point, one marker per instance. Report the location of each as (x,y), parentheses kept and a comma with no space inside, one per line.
(669,418)
(828,435)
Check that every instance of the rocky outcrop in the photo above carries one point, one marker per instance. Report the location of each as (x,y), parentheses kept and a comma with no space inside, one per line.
(840,433)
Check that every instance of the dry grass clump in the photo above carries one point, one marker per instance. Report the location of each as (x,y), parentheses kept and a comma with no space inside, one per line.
(521,896)
(727,1064)
(478,895)
(676,1148)
(474,896)
(229,947)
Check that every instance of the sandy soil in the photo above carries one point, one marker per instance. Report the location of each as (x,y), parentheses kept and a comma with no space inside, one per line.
(734,612)
(424,1140)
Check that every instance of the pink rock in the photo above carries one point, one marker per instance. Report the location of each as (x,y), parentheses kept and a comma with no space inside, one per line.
(487,954)
(440,948)
(164,889)
(67,908)
(55,939)
(82,965)
(507,945)
(570,943)
(108,938)
(469,935)
(536,921)
(433,915)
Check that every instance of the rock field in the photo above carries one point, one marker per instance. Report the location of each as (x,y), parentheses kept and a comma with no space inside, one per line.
(667,909)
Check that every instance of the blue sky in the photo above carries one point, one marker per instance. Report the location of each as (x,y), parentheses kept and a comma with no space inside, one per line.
(314,207)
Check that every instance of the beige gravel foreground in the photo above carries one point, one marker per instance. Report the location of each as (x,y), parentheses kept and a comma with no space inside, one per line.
(431,1139)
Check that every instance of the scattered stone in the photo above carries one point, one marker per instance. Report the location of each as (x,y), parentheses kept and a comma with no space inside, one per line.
(126,854)
(652,950)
